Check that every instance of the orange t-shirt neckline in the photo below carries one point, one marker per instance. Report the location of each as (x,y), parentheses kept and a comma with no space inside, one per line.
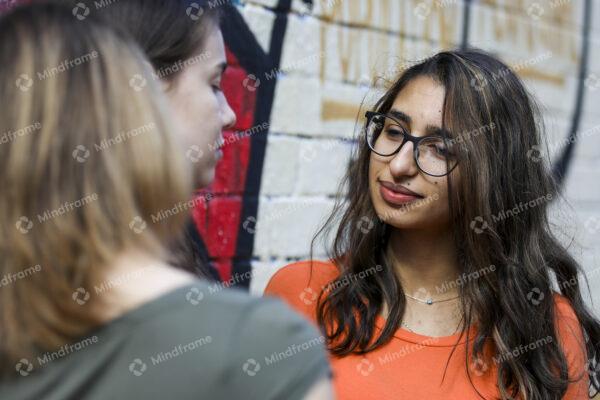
(440,341)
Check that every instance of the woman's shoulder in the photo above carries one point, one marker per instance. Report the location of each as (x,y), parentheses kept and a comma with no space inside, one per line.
(571,339)
(256,331)
(300,275)
(568,326)
(563,307)
(300,283)
(207,325)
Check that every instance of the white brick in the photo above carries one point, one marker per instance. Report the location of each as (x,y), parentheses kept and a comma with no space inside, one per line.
(290,224)
(281,166)
(259,229)
(554,97)
(302,46)
(504,33)
(262,271)
(266,3)
(341,105)
(583,182)
(296,107)
(322,165)
(588,141)
(260,21)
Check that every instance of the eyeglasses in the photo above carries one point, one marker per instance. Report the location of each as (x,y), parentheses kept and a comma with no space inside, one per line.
(433,154)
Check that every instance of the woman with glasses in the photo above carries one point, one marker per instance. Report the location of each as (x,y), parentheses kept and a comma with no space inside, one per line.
(444,280)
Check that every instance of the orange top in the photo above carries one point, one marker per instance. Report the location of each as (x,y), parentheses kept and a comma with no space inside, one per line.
(411,366)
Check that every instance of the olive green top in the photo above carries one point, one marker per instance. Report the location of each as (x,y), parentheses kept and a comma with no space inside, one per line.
(196,342)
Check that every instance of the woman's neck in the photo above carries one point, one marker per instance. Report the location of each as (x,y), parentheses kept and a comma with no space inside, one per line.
(424,262)
(140,278)
(426,265)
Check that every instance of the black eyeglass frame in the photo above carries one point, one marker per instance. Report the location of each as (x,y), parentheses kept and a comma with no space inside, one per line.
(407,137)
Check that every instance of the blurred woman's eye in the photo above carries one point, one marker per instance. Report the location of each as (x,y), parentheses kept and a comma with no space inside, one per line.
(394,132)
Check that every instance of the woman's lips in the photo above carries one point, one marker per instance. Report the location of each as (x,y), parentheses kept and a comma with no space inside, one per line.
(395,197)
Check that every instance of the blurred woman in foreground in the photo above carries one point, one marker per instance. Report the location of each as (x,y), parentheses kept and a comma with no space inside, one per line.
(89,306)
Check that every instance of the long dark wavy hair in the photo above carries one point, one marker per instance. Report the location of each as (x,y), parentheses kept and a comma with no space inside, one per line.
(499,169)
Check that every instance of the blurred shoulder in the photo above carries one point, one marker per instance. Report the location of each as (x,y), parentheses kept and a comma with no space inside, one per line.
(299,284)
(572,341)
(563,307)
(312,274)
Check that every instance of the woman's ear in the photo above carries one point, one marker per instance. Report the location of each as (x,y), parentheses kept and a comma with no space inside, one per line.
(163,84)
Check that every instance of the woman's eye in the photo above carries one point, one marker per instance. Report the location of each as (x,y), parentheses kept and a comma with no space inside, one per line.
(216,88)
(440,149)
(394,132)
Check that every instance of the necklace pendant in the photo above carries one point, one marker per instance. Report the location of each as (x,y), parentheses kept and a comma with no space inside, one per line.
(429,301)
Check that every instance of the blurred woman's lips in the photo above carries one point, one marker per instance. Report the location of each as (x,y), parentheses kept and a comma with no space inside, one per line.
(397,194)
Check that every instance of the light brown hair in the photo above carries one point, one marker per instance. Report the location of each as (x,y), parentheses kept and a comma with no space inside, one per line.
(74,195)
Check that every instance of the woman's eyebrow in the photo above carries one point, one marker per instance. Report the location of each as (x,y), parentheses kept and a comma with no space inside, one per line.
(400,115)
(430,130)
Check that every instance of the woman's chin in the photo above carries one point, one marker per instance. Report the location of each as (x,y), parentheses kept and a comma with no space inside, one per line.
(404,223)
(404,219)
(205,176)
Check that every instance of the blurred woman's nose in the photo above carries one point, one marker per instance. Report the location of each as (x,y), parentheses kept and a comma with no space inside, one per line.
(403,163)
(229,118)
